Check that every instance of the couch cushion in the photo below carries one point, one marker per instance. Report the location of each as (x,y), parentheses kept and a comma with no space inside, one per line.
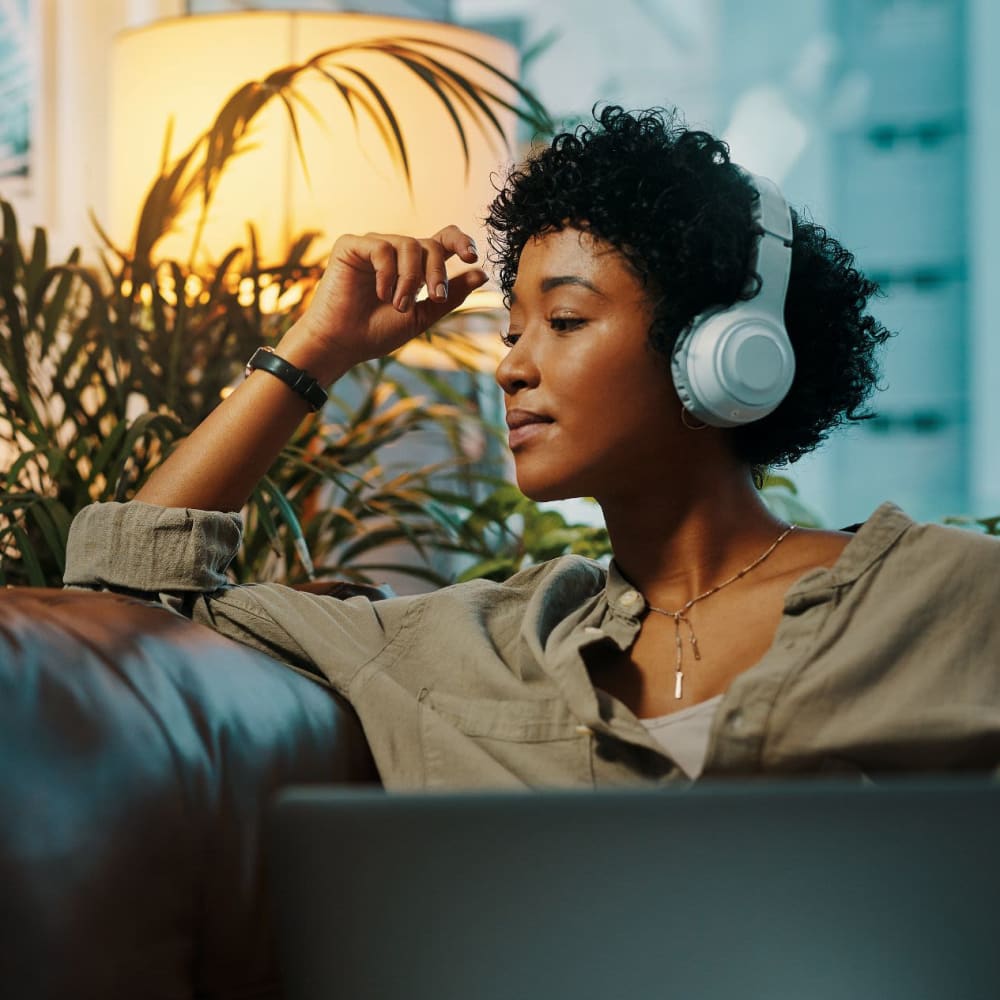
(138,753)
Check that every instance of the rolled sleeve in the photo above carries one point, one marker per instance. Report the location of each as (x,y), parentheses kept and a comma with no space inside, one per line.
(139,546)
(174,552)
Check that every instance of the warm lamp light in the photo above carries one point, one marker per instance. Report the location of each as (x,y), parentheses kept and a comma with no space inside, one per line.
(184,69)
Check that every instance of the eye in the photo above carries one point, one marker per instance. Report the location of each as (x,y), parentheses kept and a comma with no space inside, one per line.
(563,324)
(509,339)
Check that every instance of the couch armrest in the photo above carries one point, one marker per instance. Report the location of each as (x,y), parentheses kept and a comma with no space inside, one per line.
(139,752)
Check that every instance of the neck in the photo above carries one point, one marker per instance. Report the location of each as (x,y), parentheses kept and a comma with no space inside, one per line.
(674,540)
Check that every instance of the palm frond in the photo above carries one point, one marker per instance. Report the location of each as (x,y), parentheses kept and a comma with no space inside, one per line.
(199,170)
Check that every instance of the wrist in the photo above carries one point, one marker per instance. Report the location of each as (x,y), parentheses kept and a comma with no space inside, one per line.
(303,349)
(297,379)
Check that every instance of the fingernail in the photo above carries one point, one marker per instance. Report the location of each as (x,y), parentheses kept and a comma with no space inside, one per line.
(403,304)
(473,248)
(442,290)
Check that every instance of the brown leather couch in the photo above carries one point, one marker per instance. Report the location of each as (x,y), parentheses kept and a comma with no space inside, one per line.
(138,753)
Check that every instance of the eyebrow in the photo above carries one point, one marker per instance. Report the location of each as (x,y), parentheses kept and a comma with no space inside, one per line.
(565,279)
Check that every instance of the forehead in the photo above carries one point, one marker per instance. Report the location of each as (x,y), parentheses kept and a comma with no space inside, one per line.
(568,253)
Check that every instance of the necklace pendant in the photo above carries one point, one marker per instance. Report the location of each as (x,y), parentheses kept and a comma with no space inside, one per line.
(680,615)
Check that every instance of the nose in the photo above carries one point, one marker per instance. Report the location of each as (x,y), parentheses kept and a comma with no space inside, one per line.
(518,369)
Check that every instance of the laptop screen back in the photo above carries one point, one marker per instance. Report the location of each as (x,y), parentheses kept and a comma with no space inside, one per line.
(799,891)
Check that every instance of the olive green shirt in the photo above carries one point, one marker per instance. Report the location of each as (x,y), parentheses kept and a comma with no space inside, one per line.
(887,661)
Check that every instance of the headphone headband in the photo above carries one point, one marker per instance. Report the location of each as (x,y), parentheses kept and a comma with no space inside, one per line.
(772,258)
(735,365)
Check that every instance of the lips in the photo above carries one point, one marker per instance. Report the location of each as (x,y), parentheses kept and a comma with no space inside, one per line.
(521,418)
(525,425)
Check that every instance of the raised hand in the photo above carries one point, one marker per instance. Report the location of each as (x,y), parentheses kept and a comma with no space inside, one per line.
(365,305)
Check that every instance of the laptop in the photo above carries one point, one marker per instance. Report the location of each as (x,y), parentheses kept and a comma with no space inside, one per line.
(797,891)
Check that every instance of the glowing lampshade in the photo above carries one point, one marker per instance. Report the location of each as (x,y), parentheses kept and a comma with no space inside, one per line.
(185,69)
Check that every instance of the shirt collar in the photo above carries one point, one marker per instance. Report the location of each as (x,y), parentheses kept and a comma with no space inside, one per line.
(624,600)
(623,610)
(870,543)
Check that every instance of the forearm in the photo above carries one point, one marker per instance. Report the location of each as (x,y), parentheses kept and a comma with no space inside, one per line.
(364,307)
(220,463)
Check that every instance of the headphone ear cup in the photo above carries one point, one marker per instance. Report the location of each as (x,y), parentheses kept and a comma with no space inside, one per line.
(733,366)
(680,362)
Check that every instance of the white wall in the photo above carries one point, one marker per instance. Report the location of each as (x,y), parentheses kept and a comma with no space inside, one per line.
(72,116)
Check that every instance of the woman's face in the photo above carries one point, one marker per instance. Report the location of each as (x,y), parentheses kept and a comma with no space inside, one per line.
(591,408)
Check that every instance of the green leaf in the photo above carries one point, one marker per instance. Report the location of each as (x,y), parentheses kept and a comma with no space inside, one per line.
(789,508)
(109,452)
(175,358)
(425,75)
(773,481)
(161,425)
(53,522)
(36,266)
(389,117)
(10,236)
(536,114)
(537,48)
(499,569)
(26,550)
(296,135)
(287,514)
(105,239)
(990,525)
(474,98)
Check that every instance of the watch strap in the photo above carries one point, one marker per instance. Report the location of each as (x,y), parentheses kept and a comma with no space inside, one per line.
(264,359)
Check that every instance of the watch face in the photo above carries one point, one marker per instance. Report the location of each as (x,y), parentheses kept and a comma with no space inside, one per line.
(252,363)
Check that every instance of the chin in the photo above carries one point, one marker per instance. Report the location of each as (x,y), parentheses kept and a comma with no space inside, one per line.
(540,495)
(543,488)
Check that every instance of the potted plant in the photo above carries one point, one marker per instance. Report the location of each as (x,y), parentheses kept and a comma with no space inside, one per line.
(101,372)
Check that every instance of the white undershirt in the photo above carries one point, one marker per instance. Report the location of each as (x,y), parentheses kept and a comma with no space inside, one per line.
(684,734)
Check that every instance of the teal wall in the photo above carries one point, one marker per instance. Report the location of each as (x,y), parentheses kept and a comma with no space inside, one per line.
(882,119)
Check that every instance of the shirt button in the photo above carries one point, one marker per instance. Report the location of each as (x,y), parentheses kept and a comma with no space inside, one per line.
(736,720)
(630,599)
(593,630)
(584,731)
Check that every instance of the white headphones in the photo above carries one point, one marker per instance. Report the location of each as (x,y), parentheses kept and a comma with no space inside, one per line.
(735,365)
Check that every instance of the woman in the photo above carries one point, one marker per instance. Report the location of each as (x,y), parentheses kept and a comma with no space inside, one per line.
(720,641)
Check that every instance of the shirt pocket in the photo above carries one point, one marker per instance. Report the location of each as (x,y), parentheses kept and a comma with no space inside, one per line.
(497,743)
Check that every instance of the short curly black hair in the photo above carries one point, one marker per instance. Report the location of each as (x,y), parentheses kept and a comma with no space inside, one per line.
(671,201)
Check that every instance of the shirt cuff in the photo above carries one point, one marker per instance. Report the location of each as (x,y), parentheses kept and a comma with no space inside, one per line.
(139,546)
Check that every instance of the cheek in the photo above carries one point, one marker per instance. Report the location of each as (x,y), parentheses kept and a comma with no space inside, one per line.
(628,396)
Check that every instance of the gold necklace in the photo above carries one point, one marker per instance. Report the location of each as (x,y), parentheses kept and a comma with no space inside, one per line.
(681,614)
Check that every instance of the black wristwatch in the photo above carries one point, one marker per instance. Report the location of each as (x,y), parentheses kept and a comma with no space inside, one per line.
(264,359)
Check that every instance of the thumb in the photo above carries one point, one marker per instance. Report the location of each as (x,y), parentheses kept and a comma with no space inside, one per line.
(459,289)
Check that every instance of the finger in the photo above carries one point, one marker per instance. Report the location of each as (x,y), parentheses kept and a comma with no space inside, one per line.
(410,256)
(371,252)
(383,259)
(435,273)
(429,311)
(457,242)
